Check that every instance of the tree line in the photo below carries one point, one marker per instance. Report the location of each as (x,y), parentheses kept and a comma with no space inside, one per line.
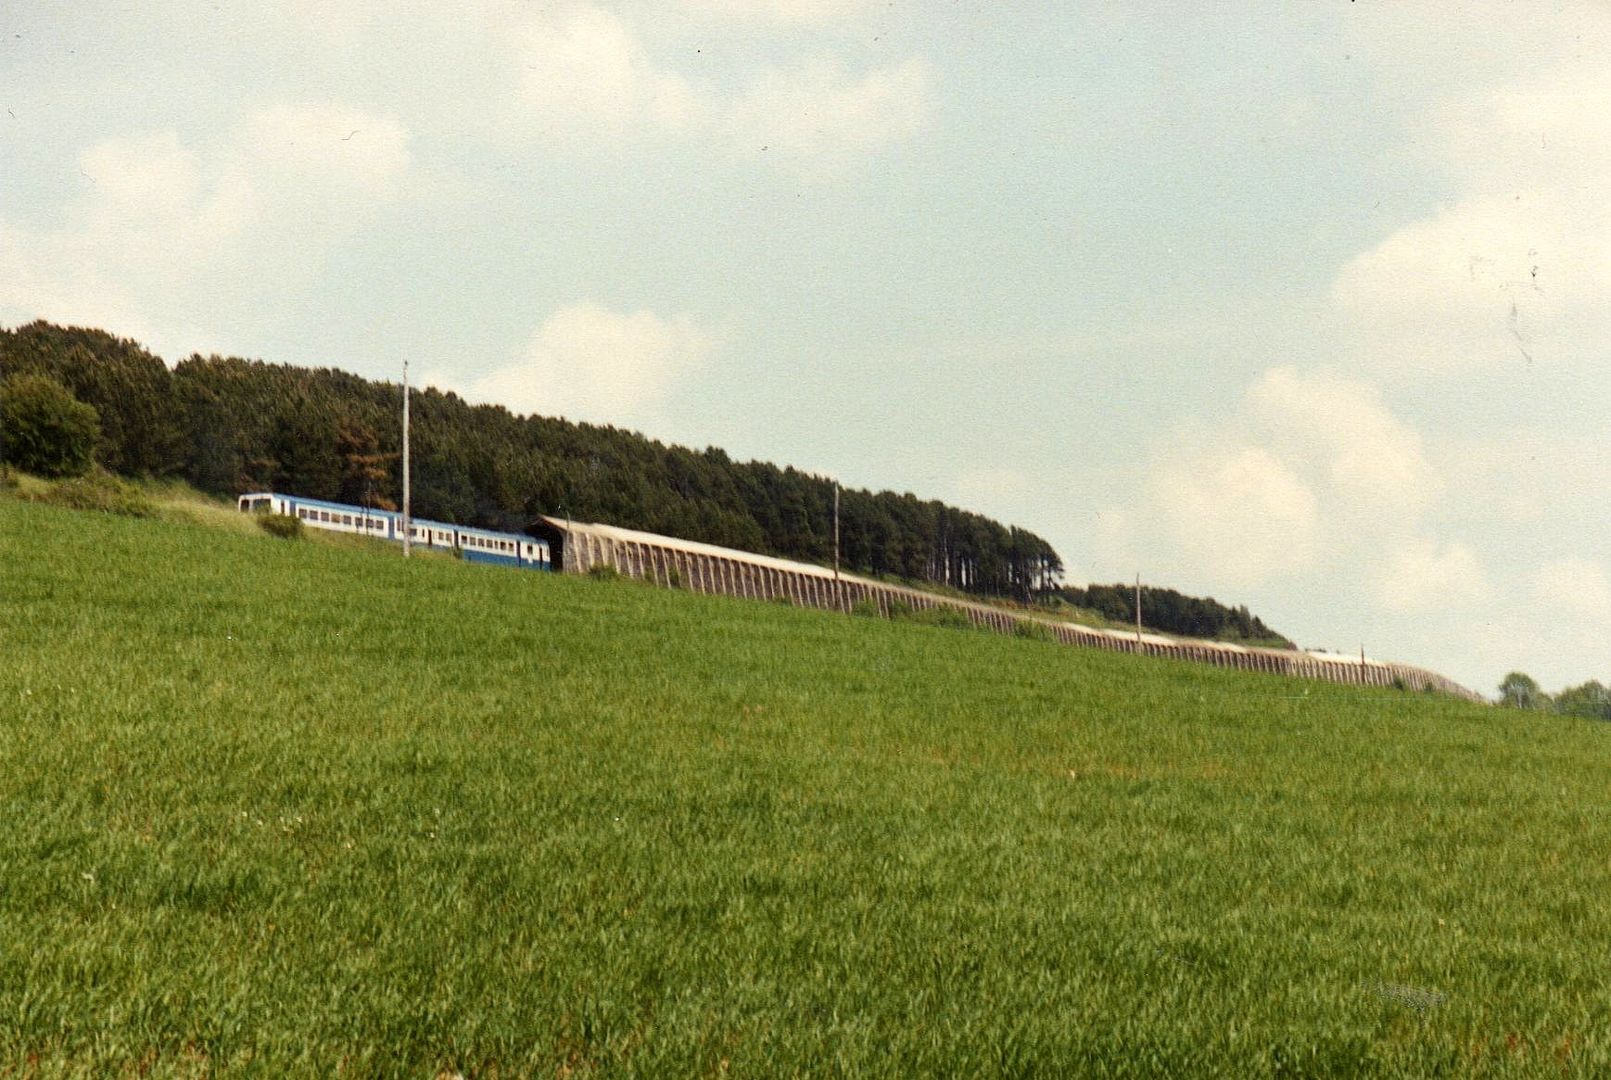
(1176,613)
(228,425)
(1591,700)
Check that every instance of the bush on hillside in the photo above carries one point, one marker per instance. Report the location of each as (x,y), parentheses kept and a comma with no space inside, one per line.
(283,526)
(603,572)
(100,491)
(44,429)
(1032,631)
(866,607)
(948,617)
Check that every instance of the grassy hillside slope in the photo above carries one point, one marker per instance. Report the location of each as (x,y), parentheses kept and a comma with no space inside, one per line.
(280,807)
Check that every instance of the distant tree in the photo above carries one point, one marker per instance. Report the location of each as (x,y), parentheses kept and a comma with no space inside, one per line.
(44,429)
(1519,690)
(1591,700)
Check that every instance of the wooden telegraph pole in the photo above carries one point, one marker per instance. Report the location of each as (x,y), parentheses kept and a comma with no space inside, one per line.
(837,588)
(407,524)
(1138,609)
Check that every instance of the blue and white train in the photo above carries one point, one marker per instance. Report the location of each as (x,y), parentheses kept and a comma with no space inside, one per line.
(473,545)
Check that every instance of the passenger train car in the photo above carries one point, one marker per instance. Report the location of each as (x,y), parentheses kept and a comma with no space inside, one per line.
(473,545)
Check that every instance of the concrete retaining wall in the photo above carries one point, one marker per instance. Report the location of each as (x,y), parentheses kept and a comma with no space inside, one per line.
(703,568)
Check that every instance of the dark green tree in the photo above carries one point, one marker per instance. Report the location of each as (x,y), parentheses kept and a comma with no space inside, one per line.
(44,429)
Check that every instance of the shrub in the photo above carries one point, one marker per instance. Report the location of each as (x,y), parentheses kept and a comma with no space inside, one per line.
(603,572)
(44,429)
(284,526)
(948,617)
(100,491)
(1032,631)
(674,578)
(8,478)
(866,607)
(900,609)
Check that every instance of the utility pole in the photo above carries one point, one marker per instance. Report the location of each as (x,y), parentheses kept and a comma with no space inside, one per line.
(407,527)
(837,588)
(1138,609)
(836,530)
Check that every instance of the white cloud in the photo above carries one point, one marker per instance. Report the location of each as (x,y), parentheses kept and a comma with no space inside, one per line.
(163,234)
(585,68)
(585,72)
(1423,577)
(1514,268)
(1369,455)
(1312,466)
(1237,515)
(795,11)
(147,220)
(820,116)
(1486,282)
(587,362)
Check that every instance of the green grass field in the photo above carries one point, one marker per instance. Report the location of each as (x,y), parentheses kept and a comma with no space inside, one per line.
(286,808)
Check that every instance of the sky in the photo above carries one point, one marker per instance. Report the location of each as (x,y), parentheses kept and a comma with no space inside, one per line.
(1298,306)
